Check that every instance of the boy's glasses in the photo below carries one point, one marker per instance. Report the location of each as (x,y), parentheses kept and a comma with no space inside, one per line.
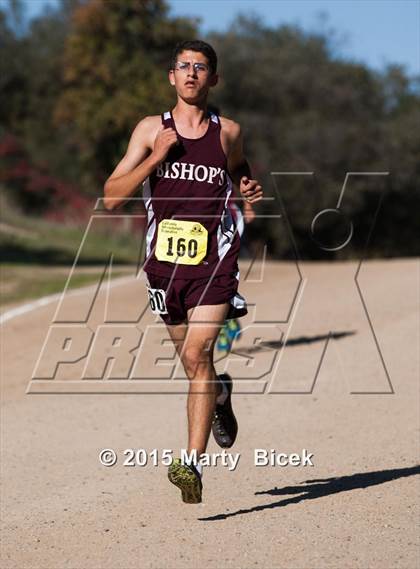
(185,66)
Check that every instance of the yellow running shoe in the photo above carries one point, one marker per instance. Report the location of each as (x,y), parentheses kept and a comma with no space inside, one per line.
(187,479)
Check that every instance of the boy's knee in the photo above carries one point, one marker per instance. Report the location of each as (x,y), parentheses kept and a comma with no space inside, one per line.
(195,358)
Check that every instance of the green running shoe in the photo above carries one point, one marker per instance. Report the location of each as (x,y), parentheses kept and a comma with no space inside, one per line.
(223,342)
(187,479)
(233,329)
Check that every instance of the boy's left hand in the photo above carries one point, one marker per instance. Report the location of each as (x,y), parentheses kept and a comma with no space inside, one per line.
(250,190)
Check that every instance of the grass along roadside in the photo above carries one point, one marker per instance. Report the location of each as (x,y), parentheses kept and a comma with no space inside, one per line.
(34,240)
(49,244)
(36,255)
(19,283)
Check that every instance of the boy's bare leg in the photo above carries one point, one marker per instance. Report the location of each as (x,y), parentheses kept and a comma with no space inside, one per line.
(195,349)
(204,326)
(178,333)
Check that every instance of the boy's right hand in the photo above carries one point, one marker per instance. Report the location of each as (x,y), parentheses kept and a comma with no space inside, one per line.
(165,139)
(248,213)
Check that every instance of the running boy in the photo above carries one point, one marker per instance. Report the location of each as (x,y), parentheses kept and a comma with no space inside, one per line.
(188,160)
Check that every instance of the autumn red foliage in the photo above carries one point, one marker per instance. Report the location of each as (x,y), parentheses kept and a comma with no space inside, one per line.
(36,190)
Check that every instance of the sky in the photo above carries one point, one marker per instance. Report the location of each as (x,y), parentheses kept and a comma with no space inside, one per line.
(374,32)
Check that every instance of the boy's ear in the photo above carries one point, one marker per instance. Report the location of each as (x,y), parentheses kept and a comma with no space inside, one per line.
(214,80)
(171,77)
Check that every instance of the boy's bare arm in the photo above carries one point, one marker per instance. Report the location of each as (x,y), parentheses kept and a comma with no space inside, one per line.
(149,145)
(238,167)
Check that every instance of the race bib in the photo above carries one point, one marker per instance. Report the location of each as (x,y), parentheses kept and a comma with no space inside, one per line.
(181,242)
(157,300)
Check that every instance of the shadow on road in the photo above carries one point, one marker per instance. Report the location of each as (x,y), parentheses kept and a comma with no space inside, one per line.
(272,345)
(313,489)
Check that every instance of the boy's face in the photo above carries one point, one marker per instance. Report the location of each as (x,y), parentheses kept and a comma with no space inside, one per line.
(192,76)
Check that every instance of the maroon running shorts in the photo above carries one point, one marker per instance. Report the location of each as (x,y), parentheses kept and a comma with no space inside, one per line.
(172,299)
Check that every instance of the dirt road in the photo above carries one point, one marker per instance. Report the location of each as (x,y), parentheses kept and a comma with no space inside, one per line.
(351,401)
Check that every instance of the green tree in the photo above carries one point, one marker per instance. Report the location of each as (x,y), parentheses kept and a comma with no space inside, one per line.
(115,73)
(31,84)
(303,109)
(75,81)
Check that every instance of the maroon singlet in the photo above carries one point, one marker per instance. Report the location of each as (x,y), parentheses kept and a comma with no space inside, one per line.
(194,168)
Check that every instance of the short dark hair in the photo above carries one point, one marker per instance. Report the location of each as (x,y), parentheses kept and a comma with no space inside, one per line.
(196,45)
